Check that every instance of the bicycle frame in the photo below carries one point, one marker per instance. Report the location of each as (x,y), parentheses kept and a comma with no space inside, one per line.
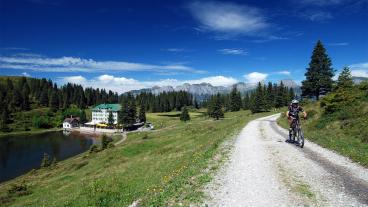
(297,132)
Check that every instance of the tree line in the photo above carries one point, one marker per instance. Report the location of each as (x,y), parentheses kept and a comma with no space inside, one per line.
(263,98)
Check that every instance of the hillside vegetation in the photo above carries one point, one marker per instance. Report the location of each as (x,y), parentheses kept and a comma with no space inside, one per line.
(162,167)
(339,122)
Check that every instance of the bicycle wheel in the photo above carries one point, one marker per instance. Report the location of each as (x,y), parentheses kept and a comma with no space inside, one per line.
(301,138)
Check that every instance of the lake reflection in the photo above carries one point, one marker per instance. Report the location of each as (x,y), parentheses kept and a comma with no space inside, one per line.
(21,153)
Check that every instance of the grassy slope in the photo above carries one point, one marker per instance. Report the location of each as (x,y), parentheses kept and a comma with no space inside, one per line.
(166,168)
(24,118)
(343,136)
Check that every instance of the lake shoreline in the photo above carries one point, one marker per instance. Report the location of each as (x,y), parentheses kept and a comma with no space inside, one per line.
(17,133)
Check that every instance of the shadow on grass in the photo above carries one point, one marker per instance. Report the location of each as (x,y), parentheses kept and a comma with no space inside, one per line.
(170,115)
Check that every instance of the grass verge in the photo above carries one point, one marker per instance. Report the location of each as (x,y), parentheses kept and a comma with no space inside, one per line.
(337,132)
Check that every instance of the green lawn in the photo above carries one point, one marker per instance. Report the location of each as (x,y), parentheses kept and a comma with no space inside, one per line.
(341,135)
(161,167)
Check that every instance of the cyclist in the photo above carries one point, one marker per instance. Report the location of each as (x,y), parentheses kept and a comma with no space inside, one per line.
(293,113)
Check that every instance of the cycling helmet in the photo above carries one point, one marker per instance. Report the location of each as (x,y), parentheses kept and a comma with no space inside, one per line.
(294,101)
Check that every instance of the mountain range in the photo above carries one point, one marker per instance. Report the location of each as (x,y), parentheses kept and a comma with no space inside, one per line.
(203,90)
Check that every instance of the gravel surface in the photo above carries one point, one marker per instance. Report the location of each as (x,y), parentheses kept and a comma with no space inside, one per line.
(264,170)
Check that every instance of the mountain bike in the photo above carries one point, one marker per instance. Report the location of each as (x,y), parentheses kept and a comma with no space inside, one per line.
(297,132)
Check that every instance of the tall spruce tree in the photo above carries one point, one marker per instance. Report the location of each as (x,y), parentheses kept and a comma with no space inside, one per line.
(54,100)
(128,112)
(214,109)
(259,103)
(235,100)
(270,95)
(319,74)
(142,113)
(345,79)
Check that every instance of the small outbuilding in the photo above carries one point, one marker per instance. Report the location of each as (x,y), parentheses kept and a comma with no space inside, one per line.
(71,122)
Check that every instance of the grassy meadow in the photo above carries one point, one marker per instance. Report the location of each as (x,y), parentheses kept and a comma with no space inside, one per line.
(165,166)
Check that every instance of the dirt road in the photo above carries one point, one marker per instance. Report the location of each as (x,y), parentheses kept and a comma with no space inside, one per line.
(264,170)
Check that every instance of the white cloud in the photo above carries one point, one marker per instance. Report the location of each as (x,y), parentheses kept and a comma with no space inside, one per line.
(123,84)
(338,44)
(359,70)
(26,74)
(283,72)
(233,51)
(214,80)
(74,64)
(228,18)
(321,2)
(317,16)
(360,73)
(175,49)
(255,77)
(76,79)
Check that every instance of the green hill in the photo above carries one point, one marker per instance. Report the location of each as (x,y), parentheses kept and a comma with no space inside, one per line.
(162,167)
(339,122)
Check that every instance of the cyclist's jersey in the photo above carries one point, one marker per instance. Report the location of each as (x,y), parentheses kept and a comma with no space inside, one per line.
(294,111)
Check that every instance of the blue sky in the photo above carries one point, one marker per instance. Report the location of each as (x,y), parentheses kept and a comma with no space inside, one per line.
(124,45)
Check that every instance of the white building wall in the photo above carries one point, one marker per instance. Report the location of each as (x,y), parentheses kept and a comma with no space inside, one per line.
(103,116)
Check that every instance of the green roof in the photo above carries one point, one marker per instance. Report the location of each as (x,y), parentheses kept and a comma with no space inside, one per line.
(111,107)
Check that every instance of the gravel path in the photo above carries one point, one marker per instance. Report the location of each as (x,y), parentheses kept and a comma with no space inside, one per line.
(264,170)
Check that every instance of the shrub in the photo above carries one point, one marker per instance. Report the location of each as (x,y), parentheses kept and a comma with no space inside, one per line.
(184,116)
(311,113)
(41,122)
(110,145)
(93,149)
(18,189)
(46,162)
(105,140)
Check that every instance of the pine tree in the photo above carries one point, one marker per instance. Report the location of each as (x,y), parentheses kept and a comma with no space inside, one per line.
(270,95)
(319,74)
(44,99)
(246,102)
(142,113)
(17,100)
(280,95)
(184,116)
(259,103)
(83,117)
(345,79)
(215,107)
(4,120)
(54,101)
(235,100)
(128,113)
(110,119)
(291,95)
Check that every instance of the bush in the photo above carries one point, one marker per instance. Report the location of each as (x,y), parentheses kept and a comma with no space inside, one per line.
(337,100)
(110,145)
(311,113)
(184,116)
(105,140)
(41,122)
(46,161)
(18,189)
(93,149)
